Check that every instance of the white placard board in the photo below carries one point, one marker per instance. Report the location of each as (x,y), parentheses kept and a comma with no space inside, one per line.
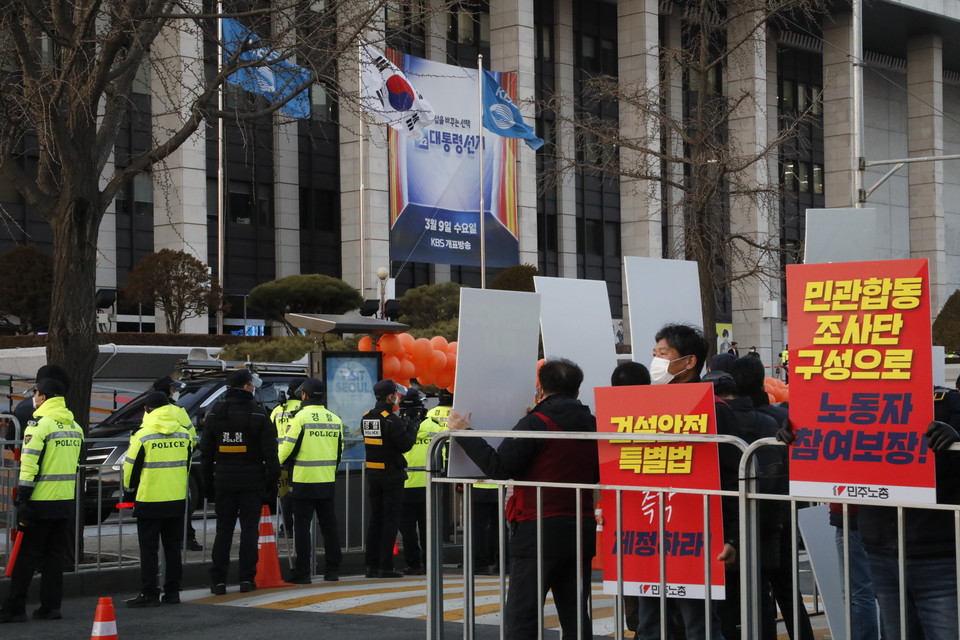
(819,539)
(496,363)
(574,322)
(940,367)
(660,292)
(846,235)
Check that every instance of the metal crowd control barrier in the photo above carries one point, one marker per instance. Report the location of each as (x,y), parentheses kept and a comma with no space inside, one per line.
(748,499)
(102,543)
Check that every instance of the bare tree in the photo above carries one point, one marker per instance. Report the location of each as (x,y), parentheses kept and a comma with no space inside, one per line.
(691,152)
(175,282)
(68,70)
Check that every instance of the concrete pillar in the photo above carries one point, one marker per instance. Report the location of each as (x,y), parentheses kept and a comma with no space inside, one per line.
(673,91)
(107,250)
(512,48)
(840,158)
(638,48)
(371,239)
(925,138)
(752,216)
(563,49)
(180,181)
(286,173)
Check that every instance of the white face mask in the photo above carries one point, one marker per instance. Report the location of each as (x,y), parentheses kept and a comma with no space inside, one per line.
(34,401)
(659,370)
(174,397)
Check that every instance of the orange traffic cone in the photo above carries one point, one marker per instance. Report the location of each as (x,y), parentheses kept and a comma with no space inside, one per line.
(268,562)
(104,621)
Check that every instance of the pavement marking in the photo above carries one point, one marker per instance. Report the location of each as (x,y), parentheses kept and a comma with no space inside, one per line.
(407,598)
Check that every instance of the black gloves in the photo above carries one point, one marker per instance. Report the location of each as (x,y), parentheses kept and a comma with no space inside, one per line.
(786,434)
(941,435)
(129,496)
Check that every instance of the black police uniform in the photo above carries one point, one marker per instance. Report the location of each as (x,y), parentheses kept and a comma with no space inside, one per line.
(386,437)
(238,451)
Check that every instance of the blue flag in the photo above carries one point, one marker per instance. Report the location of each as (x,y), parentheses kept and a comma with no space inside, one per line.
(275,80)
(502,117)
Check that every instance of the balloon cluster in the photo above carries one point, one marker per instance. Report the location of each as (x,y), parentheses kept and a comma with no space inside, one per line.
(776,390)
(432,361)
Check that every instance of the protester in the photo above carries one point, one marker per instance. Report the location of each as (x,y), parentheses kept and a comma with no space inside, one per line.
(678,358)
(386,438)
(546,460)
(155,472)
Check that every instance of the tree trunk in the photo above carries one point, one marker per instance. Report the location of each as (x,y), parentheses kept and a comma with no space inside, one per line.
(73,328)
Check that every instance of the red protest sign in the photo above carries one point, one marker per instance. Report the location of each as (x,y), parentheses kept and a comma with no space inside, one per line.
(861,380)
(676,409)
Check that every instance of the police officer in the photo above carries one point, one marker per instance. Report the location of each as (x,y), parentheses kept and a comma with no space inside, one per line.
(45,502)
(314,444)
(238,453)
(172,388)
(280,417)
(413,522)
(386,438)
(155,473)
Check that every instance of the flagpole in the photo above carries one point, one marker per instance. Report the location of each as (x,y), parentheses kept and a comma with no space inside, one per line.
(363,272)
(220,163)
(483,234)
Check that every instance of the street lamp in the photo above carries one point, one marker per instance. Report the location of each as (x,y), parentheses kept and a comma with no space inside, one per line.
(383,273)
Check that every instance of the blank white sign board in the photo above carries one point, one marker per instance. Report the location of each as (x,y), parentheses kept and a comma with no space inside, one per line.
(660,292)
(496,363)
(845,235)
(819,539)
(575,323)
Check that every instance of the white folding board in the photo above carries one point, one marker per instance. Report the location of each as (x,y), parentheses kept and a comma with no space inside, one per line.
(496,363)
(846,235)
(660,292)
(575,323)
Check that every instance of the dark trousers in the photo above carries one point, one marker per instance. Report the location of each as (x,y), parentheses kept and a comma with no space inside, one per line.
(303,511)
(230,507)
(486,531)
(522,613)
(385,495)
(413,526)
(43,546)
(150,533)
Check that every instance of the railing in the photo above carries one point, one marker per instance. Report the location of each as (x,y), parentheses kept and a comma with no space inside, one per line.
(748,499)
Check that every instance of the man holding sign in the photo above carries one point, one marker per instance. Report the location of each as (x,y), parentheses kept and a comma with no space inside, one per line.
(546,460)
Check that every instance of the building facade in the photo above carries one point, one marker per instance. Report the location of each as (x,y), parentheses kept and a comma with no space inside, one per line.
(292,190)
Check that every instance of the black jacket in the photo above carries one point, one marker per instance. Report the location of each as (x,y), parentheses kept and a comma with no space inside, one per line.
(518,459)
(926,532)
(386,437)
(238,448)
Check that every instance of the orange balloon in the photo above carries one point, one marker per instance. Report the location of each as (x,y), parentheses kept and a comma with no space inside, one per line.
(770,382)
(784,395)
(422,350)
(406,340)
(391,367)
(390,344)
(403,382)
(444,379)
(452,347)
(438,360)
(771,398)
(450,388)
(424,378)
(365,344)
(439,342)
(407,369)
(768,387)
(451,361)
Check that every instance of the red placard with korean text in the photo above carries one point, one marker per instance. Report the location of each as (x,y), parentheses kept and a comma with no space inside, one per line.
(861,380)
(677,409)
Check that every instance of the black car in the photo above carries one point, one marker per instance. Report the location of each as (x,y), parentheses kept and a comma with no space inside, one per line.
(205,383)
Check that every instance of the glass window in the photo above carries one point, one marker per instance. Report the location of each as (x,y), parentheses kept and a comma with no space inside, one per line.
(816,97)
(239,203)
(788,95)
(588,53)
(545,42)
(464,26)
(608,57)
(803,96)
(141,81)
(818,179)
(321,104)
(804,176)
(318,6)
(484,19)
(611,239)
(789,176)
(593,237)
(143,194)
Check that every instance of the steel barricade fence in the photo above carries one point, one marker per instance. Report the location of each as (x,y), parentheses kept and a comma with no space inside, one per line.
(755,587)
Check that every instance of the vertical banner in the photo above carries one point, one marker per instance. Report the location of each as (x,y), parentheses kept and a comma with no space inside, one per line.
(670,409)
(434,181)
(861,380)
